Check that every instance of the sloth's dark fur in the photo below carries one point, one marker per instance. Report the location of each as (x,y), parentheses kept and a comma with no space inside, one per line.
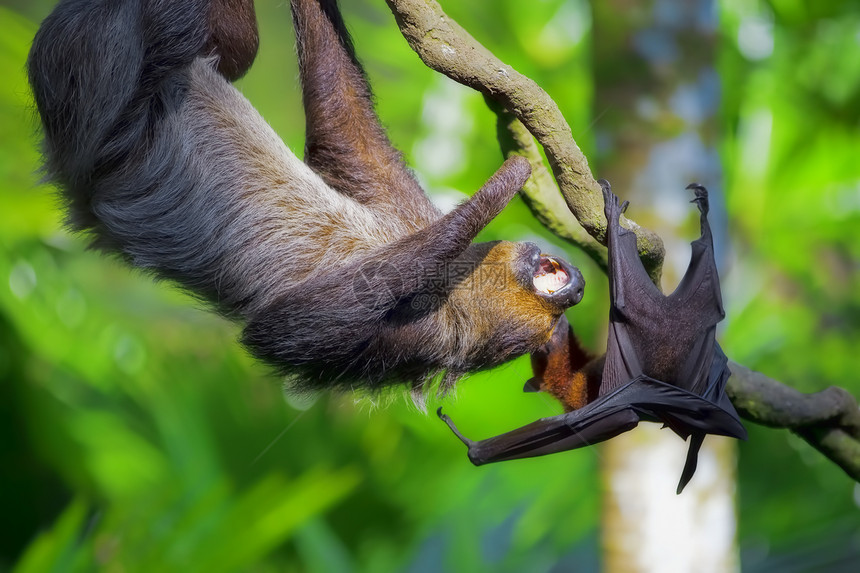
(342,271)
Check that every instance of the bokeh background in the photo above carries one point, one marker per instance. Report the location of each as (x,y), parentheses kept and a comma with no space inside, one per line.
(136,435)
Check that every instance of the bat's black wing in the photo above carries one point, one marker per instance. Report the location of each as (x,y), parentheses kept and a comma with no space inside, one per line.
(662,364)
(642,398)
(669,338)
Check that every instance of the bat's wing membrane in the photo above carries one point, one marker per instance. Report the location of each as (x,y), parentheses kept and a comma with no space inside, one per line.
(550,435)
(642,398)
(649,333)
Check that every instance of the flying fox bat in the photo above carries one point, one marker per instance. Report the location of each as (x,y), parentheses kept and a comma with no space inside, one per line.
(662,362)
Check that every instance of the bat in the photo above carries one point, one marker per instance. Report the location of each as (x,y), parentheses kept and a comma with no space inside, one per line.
(662,361)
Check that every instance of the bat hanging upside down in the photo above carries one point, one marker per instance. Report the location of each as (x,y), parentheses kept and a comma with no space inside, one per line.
(662,362)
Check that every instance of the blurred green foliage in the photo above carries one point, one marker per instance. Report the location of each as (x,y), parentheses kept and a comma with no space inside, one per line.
(136,435)
(791,147)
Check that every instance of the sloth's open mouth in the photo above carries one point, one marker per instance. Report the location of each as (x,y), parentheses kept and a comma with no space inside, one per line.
(555,281)
(549,276)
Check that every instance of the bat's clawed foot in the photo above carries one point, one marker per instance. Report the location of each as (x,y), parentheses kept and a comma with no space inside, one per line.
(701,199)
(609,198)
(611,207)
(447,420)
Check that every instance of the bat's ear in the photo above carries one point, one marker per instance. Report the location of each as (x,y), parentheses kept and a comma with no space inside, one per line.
(533,384)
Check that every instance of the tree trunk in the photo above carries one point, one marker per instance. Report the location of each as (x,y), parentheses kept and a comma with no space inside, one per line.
(657,95)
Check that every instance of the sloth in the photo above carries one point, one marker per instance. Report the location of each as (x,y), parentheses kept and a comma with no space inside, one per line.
(342,272)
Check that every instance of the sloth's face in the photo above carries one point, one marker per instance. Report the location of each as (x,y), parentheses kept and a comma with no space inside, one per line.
(512,298)
(554,279)
(522,276)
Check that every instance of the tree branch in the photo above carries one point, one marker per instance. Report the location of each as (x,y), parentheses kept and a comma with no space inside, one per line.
(828,420)
(447,48)
(540,192)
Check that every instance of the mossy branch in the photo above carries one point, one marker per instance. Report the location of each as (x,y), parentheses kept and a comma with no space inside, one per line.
(540,192)
(828,420)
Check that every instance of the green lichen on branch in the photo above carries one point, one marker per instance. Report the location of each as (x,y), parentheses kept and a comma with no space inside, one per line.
(828,420)
(540,192)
